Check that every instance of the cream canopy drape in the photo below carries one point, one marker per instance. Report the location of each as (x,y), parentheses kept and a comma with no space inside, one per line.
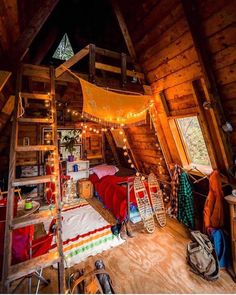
(113,108)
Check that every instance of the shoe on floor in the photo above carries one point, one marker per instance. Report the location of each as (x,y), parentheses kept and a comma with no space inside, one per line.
(129,230)
(123,232)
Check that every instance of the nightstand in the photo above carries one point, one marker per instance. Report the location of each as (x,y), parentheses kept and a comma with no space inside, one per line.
(83,169)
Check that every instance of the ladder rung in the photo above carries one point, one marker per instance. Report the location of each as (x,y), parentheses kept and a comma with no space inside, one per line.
(31,148)
(41,96)
(32,180)
(32,219)
(27,267)
(36,120)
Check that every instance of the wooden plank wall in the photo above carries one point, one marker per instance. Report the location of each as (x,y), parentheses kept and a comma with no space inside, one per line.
(147,151)
(219,29)
(165,48)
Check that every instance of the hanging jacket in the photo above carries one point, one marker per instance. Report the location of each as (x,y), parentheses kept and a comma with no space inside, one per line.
(213,209)
(185,201)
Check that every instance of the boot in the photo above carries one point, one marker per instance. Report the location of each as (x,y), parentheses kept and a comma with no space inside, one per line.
(129,231)
(123,232)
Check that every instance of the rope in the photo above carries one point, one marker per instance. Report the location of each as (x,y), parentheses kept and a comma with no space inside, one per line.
(21,109)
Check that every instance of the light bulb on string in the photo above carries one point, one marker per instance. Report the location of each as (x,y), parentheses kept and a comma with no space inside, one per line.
(124,147)
(125,154)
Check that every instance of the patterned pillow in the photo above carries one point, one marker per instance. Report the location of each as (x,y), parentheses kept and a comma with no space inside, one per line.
(104,170)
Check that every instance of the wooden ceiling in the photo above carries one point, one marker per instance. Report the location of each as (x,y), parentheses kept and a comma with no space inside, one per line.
(31,30)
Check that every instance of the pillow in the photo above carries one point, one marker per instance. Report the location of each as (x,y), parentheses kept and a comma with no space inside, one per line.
(104,170)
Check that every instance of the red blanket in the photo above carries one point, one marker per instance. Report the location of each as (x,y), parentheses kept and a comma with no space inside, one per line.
(114,196)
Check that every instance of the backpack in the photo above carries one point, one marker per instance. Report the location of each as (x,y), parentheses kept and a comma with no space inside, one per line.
(201,256)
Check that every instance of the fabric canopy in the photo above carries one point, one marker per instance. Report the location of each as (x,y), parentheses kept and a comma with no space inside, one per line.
(114,108)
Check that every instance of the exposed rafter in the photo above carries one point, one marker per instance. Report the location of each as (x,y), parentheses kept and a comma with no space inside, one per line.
(4,76)
(20,48)
(10,10)
(42,50)
(124,29)
(73,60)
(191,14)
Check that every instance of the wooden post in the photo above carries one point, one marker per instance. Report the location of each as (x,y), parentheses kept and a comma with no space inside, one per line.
(123,69)
(92,60)
(10,197)
(61,270)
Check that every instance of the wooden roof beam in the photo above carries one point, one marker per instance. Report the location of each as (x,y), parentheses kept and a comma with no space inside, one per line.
(193,19)
(42,50)
(4,76)
(10,10)
(21,46)
(124,29)
(70,62)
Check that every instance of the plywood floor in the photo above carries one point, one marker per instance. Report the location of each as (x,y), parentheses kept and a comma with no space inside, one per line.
(150,263)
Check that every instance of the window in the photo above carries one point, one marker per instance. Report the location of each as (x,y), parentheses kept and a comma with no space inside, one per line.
(64,50)
(193,141)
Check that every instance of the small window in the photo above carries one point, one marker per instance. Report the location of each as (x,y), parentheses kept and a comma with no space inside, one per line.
(193,141)
(64,50)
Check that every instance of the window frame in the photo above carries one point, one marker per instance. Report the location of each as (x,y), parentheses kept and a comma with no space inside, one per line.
(182,146)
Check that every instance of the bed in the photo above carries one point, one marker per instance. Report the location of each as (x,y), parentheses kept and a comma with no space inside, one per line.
(112,194)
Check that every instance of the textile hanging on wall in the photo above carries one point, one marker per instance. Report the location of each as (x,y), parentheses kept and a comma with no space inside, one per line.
(185,201)
(113,108)
(176,172)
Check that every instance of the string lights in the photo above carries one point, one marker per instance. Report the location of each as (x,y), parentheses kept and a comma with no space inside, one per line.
(108,126)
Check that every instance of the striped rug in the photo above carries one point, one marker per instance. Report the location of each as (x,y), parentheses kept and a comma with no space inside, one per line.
(84,232)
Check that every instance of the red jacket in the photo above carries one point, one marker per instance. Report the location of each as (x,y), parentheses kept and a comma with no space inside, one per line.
(213,209)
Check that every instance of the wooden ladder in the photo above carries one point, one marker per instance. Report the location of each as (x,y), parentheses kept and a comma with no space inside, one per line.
(112,146)
(13,272)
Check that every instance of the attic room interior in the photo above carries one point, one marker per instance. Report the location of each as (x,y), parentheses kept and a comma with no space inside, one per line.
(117,146)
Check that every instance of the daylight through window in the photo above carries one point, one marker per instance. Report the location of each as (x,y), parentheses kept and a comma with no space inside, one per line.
(193,140)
